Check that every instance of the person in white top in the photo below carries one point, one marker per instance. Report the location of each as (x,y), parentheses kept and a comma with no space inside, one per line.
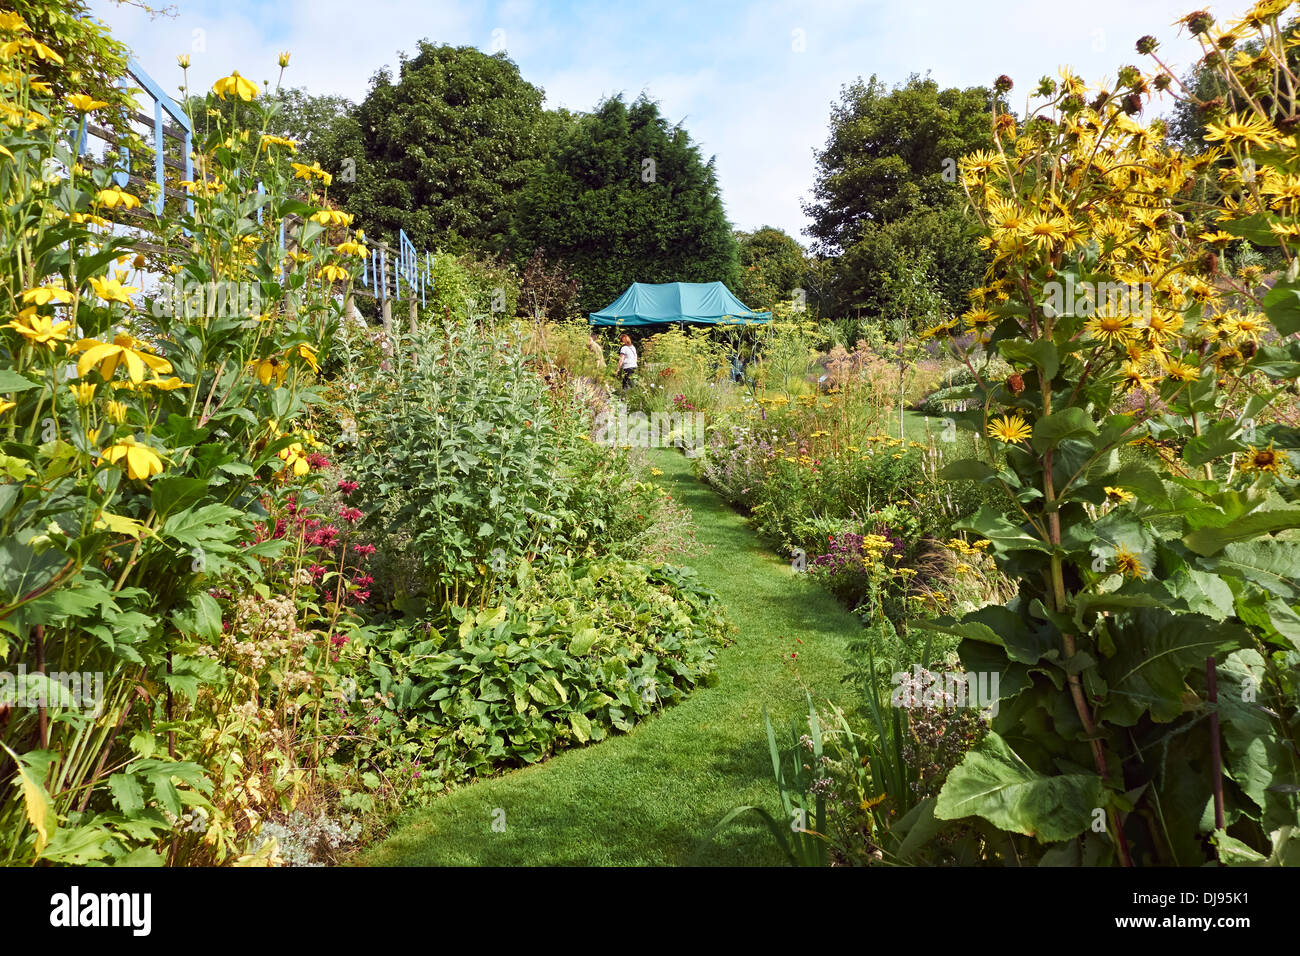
(626,359)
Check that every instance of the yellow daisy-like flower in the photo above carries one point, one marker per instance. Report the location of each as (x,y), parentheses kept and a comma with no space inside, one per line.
(45,294)
(270,368)
(40,329)
(36,47)
(1118,495)
(295,459)
(1110,329)
(235,85)
(1263,459)
(116,412)
(1182,372)
(269,140)
(112,290)
(307,354)
(165,384)
(1011,429)
(111,198)
(1242,130)
(85,104)
(332,273)
(350,249)
(303,171)
(1129,564)
(84,392)
(13,23)
(1134,376)
(142,462)
(124,349)
(332,217)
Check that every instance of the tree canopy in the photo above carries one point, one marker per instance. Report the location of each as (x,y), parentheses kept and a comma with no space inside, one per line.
(623,197)
(446,147)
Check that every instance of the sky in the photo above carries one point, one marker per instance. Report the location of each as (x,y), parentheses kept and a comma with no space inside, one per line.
(752,82)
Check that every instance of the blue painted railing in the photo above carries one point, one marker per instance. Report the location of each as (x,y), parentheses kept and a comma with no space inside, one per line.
(378,278)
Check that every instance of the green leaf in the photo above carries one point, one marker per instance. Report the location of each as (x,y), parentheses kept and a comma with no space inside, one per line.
(1051,430)
(1208,541)
(989,523)
(1040,353)
(11,381)
(994,783)
(581,726)
(36,802)
(967,469)
(171,495)
(1282,306)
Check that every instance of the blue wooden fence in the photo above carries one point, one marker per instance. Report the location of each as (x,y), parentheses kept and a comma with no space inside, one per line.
(408,276)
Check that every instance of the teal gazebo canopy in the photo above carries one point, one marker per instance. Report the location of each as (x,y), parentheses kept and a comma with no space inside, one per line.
(702,303)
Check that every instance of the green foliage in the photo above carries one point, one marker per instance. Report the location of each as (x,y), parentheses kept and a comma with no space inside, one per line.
(623,197)
(578,654)
(446,148)
(772,266)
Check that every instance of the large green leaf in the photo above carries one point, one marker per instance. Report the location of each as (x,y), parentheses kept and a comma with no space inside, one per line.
(1208,541)
(1051,430)
(1282,306)
(994,783)
(989,523)
(1155,653)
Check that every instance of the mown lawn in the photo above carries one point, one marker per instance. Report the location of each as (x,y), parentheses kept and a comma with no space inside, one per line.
(652,796)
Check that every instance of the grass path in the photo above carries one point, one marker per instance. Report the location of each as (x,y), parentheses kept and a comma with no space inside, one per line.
(650,797)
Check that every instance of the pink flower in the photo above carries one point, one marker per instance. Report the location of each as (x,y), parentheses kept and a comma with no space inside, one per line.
(365,550)
(350,515)
(317,571)
(338,640)
(317,460)
(347,487)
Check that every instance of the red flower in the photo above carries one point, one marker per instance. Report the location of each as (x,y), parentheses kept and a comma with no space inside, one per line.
(350,515)
(347,487)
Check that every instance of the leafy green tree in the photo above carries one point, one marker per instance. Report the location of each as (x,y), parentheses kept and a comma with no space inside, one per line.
(887,187)
(625,197)
(772,266)
(446,146)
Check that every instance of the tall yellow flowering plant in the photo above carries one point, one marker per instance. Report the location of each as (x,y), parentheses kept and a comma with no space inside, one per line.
(1147,663)
(141,435)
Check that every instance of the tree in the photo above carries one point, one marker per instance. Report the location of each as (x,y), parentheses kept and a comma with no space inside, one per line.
(772,266)
(624,197)
(887,187)
(446,148)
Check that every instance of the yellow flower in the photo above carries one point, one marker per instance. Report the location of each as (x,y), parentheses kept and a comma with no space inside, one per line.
(307,354)
(165,384)
(303,171)
(283,59)
(142,462)
(13,23)
(332,217)
(1263,459)
(270,368)
(1118,495)
(183,61)
(40,329)
(85,104)
(83,393)
(35,46)
(1129,564)
(6,405)
(269,140)
(109,355)
(45,294)
(112,290)
(235,84)
(116,412)
(1011,429)
(1111,329)
(656,472)
(111,198)
(1238,130)
(350,249)
(296,459)
(1182,372)
(333,273)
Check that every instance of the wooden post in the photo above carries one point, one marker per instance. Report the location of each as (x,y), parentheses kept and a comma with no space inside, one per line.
(414,311)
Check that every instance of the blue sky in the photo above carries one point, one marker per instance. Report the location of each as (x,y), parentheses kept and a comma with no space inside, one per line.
(752,81)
